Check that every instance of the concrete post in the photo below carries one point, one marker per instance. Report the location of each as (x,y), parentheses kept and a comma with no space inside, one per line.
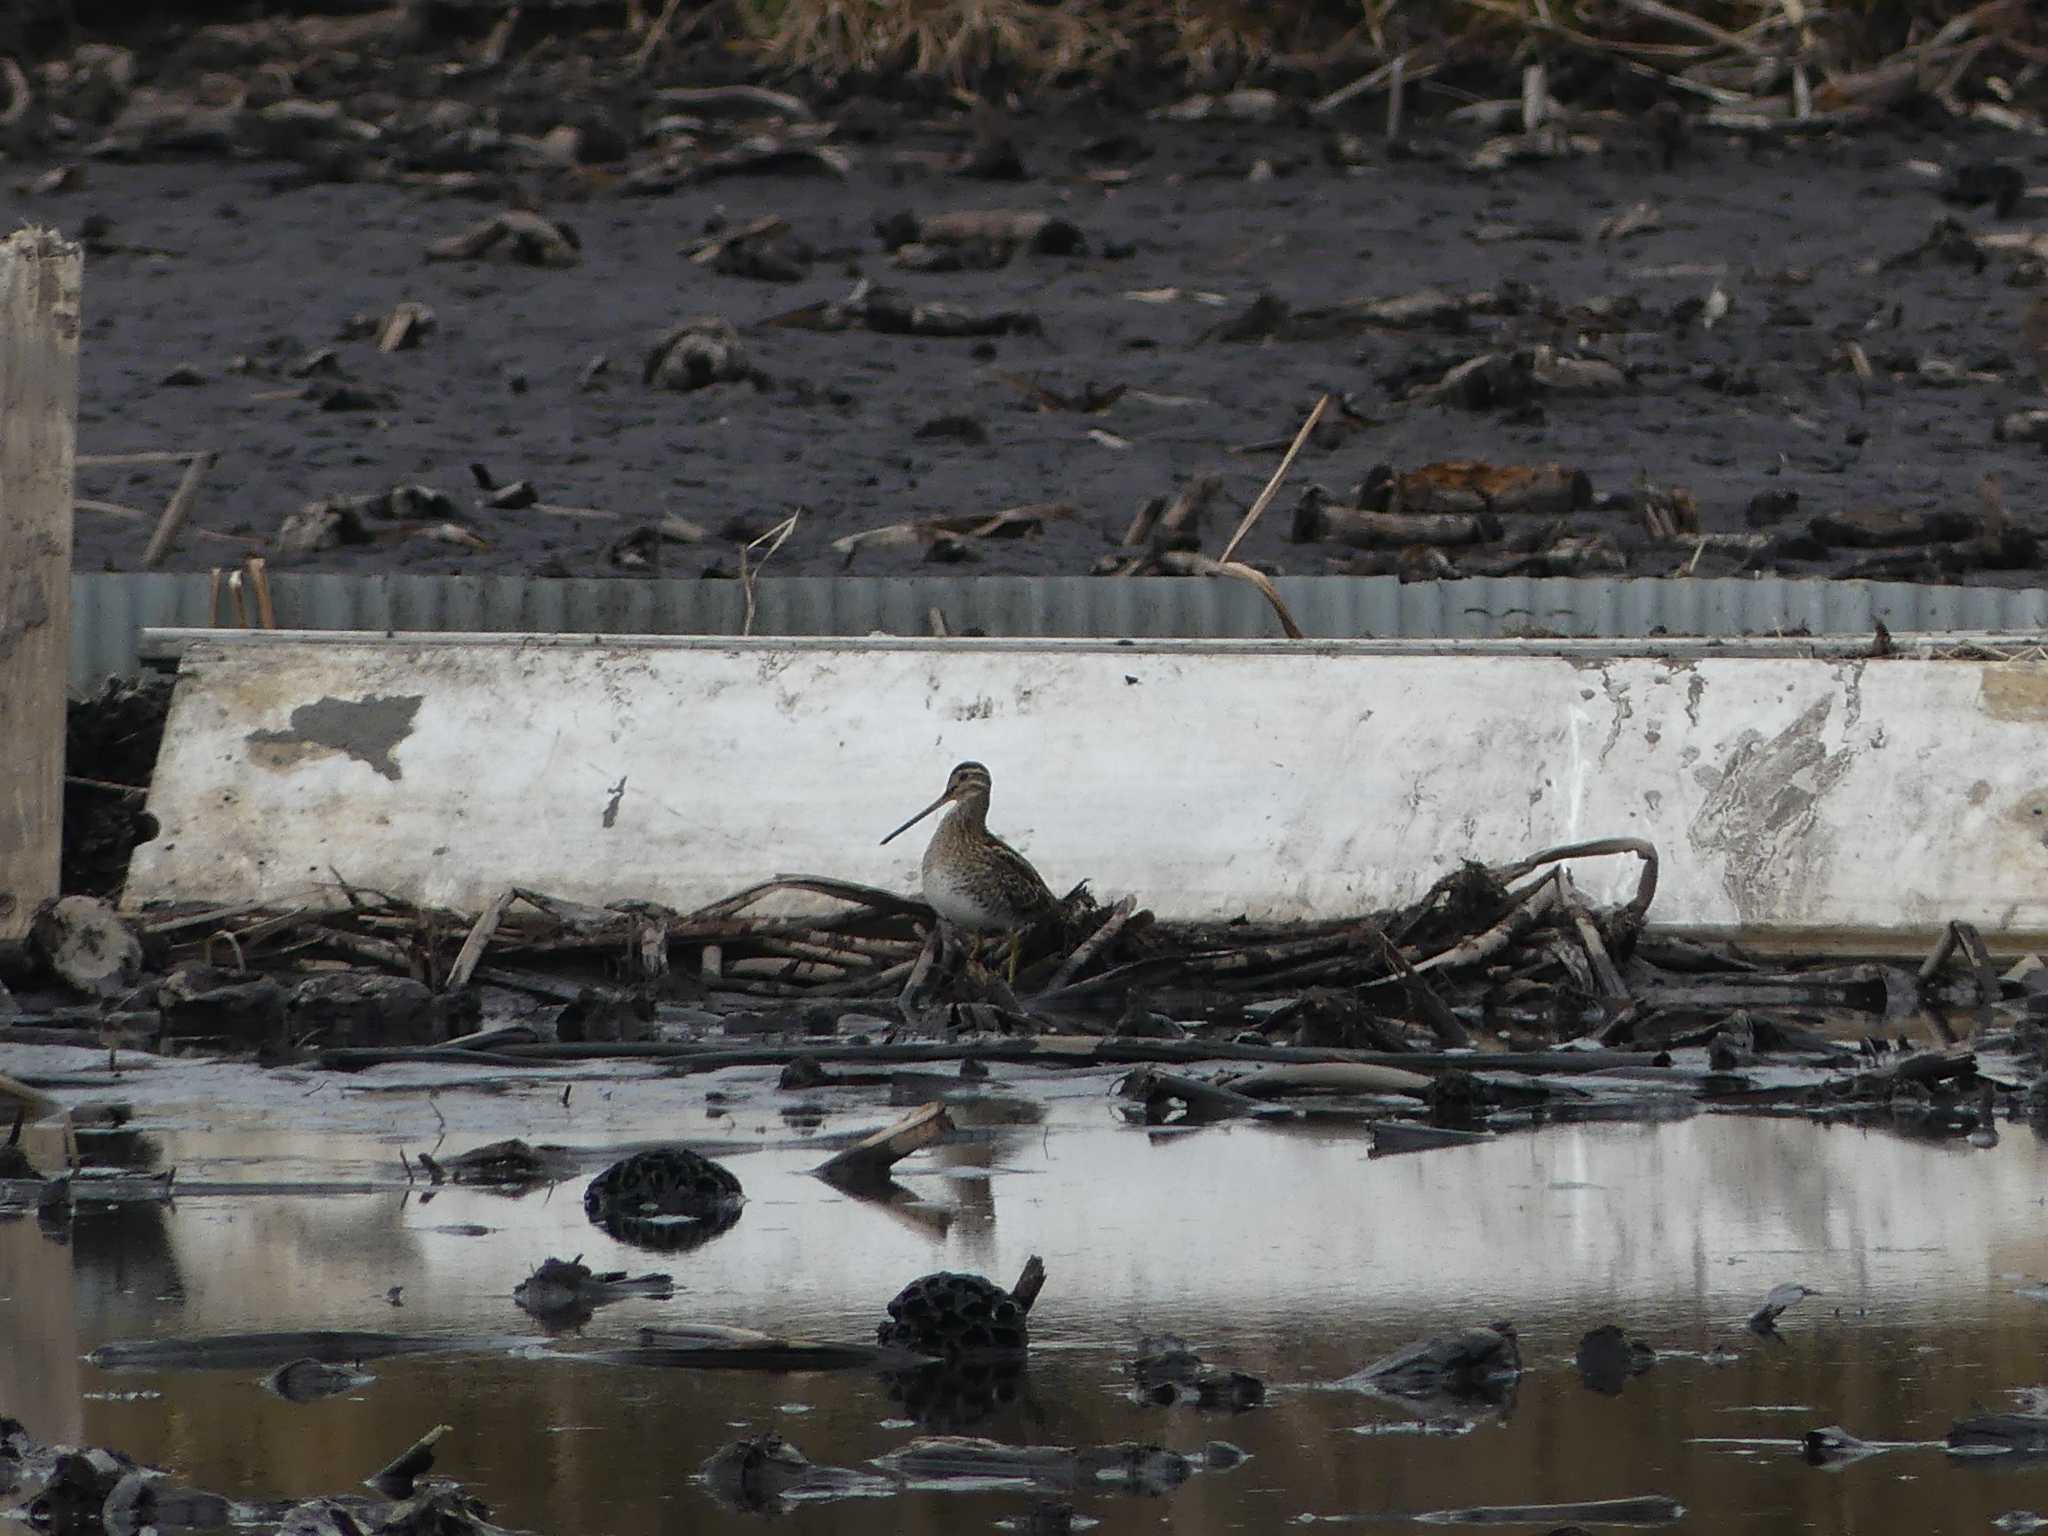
(39,317)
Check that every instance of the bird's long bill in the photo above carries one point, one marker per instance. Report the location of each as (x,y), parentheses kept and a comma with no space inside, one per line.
(920,816)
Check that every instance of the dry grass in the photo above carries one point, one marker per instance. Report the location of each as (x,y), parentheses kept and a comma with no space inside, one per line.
(967,43)
(959,41)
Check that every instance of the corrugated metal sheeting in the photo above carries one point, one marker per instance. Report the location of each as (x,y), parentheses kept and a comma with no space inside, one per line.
(109,610)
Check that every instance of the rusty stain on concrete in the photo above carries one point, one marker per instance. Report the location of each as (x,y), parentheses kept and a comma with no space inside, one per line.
(368,730)
(2014,691)
(1762,811)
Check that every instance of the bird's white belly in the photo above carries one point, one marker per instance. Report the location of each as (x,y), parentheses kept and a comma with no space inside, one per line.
(958,903)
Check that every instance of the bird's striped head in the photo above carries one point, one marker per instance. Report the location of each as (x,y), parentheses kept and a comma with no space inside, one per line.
(966,781)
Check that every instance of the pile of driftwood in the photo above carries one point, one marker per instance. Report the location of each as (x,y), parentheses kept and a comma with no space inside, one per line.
(1519,937)
(1513,956)
(77,1488)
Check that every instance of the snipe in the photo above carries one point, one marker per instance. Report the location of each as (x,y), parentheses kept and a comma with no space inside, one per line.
(972,878)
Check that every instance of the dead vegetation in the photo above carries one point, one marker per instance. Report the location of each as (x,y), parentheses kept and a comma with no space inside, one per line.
(1733,55)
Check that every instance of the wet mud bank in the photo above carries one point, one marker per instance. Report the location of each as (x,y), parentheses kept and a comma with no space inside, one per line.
(510,317)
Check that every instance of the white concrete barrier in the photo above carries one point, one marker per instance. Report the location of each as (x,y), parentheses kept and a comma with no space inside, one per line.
(1823,797)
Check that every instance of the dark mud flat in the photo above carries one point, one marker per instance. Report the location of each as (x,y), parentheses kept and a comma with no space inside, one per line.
(1673,1230)
(1813,245)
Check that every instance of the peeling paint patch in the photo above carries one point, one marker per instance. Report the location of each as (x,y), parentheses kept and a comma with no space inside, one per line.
(1762,813)
(1850,675)
(2014,691)
(611,806)
(1617,696)
(368,730)
(1695,690)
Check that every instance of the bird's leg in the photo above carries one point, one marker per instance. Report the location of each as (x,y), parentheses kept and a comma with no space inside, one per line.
(1016,948)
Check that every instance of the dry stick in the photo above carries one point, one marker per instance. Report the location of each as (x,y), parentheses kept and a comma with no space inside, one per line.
(137,515)
(259,583)
(881,981)
(869,1160)
(1611,985)
(178,508)
(234,943)
(1987,978)
(1535,97)
(1366,84)
(921,967)
(396,1479)
(1094,944)
(1225,566)
(493,51)
(111,508)
(1963,936)
(654,36)
(105,784)
(1695,24)
(1541,899)
(1189,501)
(1602,847)
(778,533)
(393,957)
(473,946)
(797,949)
(1448,1028)
(1187,562)
(1596,951)
(1205,1101)
(1054,1050)
(1265,497)
(1944,947)
(1030,1281)
(888,903)
(20,97)
(150,456)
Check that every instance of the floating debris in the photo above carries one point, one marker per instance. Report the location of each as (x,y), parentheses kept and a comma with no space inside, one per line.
(1167,1371)
(666,1198)
(960,1316)
(567,1293)
(307,1380)
(1764,1321)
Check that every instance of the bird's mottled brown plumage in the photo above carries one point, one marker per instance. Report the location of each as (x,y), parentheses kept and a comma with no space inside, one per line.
(972,878)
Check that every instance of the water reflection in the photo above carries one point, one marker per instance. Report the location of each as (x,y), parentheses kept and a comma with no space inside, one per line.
(1293,1256)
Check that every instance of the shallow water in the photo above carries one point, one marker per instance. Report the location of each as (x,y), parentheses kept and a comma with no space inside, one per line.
(1283,1251)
